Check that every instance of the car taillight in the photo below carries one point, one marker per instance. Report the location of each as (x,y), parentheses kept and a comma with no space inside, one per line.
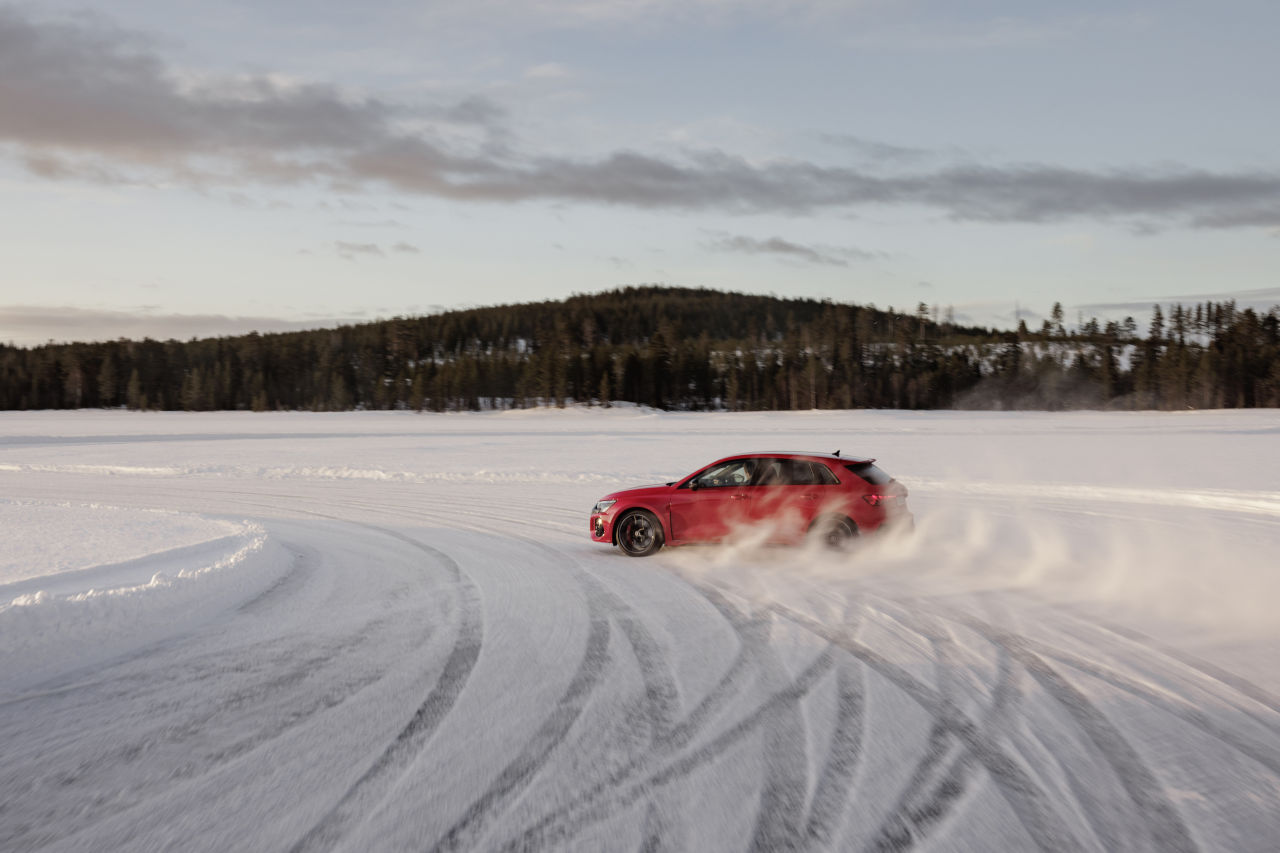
(877,500)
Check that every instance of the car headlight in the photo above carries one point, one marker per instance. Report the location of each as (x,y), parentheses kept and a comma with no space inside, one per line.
(601,506)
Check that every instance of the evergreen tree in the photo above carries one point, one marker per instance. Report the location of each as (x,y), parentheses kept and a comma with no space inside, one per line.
(674,348)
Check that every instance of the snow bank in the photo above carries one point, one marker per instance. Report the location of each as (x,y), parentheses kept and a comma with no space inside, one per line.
(59,537)
(60,608)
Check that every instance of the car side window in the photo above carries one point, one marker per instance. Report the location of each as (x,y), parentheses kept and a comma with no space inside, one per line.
(823,475)
(793,472)
(737,472)
(802,473)
(773,472)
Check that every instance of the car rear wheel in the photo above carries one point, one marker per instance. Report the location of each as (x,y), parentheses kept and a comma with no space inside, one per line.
(834,532)
(639,533)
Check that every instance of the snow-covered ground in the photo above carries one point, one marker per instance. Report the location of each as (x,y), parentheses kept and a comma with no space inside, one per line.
(386,631)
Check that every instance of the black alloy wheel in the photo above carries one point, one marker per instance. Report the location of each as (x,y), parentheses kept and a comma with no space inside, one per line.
(639,534)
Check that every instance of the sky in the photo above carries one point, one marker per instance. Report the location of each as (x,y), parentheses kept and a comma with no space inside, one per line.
(185,168)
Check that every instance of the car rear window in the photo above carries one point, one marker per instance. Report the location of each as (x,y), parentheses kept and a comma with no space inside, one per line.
(870,473)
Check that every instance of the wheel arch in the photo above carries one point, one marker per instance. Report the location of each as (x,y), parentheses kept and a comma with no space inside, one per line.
(658,515)
(835,516)
(654,519)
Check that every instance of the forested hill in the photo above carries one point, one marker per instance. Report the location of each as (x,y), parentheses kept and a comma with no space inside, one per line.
(674,348)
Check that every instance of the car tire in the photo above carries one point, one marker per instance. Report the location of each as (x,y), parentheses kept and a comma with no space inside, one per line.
(639,533)
(835,532)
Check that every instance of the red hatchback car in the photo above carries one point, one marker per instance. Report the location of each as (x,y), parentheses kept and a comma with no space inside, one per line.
(797,494)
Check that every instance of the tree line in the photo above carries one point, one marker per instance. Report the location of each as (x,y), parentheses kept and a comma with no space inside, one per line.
(675,348)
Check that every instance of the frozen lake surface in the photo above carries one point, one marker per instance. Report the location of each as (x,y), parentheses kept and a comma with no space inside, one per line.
(390,631)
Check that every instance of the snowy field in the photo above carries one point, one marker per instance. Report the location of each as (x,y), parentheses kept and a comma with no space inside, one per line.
(390,631)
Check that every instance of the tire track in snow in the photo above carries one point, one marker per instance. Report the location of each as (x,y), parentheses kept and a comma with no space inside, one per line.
(835,779)
(367,792)
(661,692)
(169,747)
(942,776)
(1165,825)
(1203,671)
(780,817)
(1263,753)
(602,800)
(685,765)
(303,565)
(1048,830)
(780,814)
(377,782)
(655,834)
(781,702)
(945,789)
(469,829)
(908,823)
(659,679)
(662,695)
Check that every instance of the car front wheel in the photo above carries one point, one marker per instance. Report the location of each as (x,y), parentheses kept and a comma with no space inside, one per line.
(639,533)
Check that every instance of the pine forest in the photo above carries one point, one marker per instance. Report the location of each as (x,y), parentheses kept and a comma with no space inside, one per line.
(676,348)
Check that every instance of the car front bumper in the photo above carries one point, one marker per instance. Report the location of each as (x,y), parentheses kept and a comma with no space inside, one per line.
(601,527)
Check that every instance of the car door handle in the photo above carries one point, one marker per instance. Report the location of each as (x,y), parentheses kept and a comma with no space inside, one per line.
(739,497)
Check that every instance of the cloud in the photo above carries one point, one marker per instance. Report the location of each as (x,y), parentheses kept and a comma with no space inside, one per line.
(880,152)
(472,110)
(974,33)
(31,325)
(558,14)
(547,71)
(1038,193)
(823,255)
(378,223)
(87,102)
(1261,299)
(76,86)
(351,250)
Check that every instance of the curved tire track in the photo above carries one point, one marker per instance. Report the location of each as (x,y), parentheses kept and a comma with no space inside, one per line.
(520,772)
(835,779)
(1167,829)
(605,606)
(1042,822)
(1264,754)
(380,778)
(646,774)
(942,777)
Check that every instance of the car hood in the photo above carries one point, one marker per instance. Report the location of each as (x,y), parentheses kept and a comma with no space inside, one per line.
(639,491)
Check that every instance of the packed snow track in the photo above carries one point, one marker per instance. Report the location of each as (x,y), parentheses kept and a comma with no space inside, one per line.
(381,631)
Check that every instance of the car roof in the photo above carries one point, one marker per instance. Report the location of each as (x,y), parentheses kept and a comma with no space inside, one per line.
(799,454)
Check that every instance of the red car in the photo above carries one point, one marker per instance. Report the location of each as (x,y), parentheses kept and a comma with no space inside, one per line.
(797,495)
